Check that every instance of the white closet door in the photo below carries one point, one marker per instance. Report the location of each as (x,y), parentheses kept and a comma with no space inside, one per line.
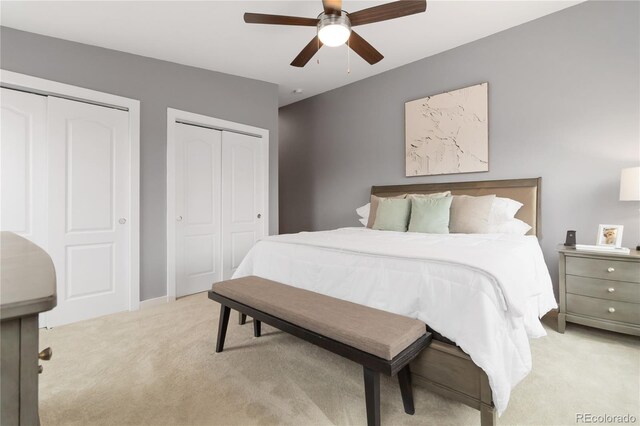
(88,209)
(198,175)
(242,197)
(23,165)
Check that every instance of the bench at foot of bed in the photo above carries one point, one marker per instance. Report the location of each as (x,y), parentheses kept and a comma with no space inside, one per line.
(380,341)
(443,368)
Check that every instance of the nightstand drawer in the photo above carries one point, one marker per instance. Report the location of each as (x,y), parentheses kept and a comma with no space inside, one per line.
(603,268)
(611,310)
(604,289)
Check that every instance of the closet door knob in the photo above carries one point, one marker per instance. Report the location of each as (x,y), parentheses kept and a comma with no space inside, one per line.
(259,215)
(179,218)
(45,354)
(122,221)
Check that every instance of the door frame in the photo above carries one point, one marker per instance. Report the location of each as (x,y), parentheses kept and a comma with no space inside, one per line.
(27,83)
(173,117)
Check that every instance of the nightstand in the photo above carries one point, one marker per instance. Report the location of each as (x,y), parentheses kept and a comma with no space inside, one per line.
(600,290)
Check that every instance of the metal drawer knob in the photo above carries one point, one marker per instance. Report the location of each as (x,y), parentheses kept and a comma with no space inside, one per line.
(122,221)
(610,269)
(259,215)
(611,289)
(179,218)
(612,310)
(45,354)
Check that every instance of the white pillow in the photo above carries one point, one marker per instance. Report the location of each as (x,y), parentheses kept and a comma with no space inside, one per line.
(503,210)
(364,210)
(513,226)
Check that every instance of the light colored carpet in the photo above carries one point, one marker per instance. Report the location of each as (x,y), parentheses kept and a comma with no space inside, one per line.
(158,366)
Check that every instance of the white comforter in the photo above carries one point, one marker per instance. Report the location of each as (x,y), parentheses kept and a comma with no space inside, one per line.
(484,292)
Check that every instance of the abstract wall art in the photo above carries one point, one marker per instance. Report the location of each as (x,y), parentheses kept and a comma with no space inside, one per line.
(448,133)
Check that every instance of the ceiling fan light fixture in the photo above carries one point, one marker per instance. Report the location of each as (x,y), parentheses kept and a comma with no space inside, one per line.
(333,26)
(334,30)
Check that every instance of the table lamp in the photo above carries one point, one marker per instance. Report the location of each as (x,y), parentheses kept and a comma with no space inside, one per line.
(630,186)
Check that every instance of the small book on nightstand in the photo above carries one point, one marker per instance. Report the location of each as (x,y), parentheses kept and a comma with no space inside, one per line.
(603,249)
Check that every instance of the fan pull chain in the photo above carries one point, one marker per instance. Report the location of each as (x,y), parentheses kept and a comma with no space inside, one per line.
(317,57)
(348,56)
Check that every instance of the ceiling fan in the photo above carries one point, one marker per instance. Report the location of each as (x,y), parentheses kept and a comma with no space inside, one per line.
(335,26)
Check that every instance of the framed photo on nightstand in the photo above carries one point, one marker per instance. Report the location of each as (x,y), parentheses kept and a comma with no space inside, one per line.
(610,235)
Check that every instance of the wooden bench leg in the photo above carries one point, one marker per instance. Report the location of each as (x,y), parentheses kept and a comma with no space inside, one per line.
(256,328)
(372,396)
(404,378)
(225,311)
(242,318)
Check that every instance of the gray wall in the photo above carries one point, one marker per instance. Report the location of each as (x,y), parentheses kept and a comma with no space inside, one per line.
(563,104)
(158,85)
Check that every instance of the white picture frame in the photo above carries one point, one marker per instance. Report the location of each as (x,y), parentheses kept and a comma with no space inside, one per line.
(609,235)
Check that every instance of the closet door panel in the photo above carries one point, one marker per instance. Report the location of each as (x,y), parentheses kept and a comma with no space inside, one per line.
(91,174)
(242,197)
(89,165)
(201,164)
(198,186)
(23,165)
(242,179)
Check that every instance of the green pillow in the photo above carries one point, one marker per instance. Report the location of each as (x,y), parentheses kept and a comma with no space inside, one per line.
(393,214)
(430,215)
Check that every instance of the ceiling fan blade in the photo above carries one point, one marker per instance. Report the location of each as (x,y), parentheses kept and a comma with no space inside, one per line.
(332,6)
(364,49)
(387,11)
(307,53)
(260,18)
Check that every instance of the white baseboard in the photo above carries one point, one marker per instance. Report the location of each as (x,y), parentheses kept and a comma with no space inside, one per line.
(157,301)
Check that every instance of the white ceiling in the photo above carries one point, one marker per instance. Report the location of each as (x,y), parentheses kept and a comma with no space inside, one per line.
(212,34)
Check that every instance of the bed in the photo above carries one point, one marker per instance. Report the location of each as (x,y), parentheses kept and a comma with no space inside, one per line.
(460,285)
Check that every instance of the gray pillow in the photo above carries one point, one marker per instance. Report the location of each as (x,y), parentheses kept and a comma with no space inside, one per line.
(430,215)
(470,215)
(432,195)
(392,215)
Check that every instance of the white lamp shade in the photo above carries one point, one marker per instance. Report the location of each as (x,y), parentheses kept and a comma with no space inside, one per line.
(630,184)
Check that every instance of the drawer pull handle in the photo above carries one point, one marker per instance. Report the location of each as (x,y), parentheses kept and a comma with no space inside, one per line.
(610,269)
(611,289)
(612,310)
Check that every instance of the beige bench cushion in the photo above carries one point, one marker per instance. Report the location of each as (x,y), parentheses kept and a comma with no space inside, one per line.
(377,332)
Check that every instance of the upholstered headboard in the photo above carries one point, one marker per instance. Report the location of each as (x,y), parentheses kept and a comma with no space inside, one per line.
(527,191)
